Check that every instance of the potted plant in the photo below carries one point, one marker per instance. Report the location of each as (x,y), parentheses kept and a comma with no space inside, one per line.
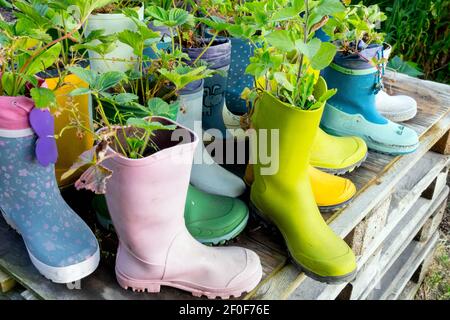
(289,99)
(138,163)
(243,33)
(112,18)
(207,175)
(357,72)
(71,110)
(60,245)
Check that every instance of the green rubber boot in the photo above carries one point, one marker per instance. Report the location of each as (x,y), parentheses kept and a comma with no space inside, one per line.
(211,219)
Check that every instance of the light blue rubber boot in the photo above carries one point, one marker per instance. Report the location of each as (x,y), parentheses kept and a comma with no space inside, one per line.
(352,111)
(238,80)
(60,245)
(218,57)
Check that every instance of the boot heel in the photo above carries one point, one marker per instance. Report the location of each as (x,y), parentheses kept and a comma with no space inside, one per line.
(265,223)
(8,221)
(137,286)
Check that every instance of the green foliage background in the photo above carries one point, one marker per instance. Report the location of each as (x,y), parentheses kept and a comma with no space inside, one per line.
(418,31)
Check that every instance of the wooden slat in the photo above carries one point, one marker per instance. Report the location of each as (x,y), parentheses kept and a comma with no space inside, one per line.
(397,277)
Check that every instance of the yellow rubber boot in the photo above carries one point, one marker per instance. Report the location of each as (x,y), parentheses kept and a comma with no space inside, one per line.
(330,192)
(337,155)
(286,199)
(71,144)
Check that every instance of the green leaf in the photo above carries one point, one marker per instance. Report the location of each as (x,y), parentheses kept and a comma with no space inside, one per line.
(125,98)
(86,75)
(5,4)
(282,79)
(282,40)
(159,107)
(133,39)
(309,49)
(148,126)
(108,80)
(287,13)
(8,83)
(329,7)
(324,56)
(44,60)
(80,92)
(43,98)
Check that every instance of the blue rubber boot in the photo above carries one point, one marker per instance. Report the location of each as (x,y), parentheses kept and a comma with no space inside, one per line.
(238,80)
(60,245)
(218,57)
(352,111)
(164,43)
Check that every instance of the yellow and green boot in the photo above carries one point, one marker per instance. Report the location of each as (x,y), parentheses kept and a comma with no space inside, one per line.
(330,192)
(286,199)
(337,155)
(211,219)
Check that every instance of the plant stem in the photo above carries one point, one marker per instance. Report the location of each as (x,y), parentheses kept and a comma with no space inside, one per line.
(305,40)
(206,48)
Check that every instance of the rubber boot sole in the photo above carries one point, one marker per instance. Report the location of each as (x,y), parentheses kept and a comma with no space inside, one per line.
(392,150)
(227,237)
(151,286)
(323,209)
(258,216)
(342,171)
(60,275)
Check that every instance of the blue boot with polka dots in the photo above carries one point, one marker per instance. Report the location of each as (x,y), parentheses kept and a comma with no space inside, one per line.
(241,51)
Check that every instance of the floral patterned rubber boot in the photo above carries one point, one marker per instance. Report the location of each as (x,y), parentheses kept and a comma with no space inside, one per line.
(60,245)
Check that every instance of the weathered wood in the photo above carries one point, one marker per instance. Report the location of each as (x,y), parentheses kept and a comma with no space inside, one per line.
(404,233)
(432,224)
(404,195)
(396,278)
(28,295)
(443,145)
(7,283)
(365,232)
(434,189)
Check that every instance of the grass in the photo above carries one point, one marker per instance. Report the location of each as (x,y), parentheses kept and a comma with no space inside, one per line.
(418,31)
(436,285)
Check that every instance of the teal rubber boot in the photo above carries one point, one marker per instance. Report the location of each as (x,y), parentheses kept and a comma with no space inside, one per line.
(352,111)
(211,219)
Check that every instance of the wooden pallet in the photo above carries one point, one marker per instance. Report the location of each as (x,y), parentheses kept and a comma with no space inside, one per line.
(389,190)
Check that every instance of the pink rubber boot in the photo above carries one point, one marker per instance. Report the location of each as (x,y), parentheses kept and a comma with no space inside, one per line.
(146,200)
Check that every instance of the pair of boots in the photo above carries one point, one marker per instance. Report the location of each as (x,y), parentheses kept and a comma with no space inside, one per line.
(353,110)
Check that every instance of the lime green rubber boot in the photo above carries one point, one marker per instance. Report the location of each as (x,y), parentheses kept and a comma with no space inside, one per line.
(337,155)
(211,219)
(285,198)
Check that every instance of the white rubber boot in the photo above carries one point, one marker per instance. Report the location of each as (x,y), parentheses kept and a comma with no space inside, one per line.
(395,108)
(207,176)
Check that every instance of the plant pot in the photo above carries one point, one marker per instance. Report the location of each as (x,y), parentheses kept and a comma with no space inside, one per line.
(60,245)
(241,51)
(71,144)
(353,112)
(112,23)
(218,57)
(155,247)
